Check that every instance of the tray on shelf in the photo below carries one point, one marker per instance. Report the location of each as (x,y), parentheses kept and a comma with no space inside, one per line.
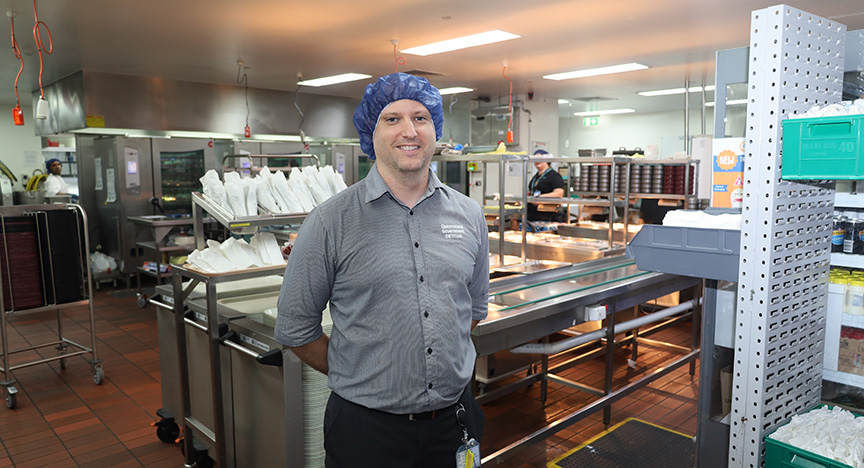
(235,223)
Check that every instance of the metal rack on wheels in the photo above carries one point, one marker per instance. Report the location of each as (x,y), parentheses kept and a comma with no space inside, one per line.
(32,258)
(216,437)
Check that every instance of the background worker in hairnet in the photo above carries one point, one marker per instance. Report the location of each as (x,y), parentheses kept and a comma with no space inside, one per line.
(546,182)
(403,261)
(54,184)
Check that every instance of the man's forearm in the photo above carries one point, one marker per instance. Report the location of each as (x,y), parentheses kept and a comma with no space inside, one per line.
(314,354)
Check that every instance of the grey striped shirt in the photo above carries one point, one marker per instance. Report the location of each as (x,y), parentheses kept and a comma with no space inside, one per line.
(403,285)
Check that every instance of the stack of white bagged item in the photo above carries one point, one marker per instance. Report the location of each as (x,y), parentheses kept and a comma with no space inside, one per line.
(833,110)
(701,219)
(302,191)
(833,433)
(236,254)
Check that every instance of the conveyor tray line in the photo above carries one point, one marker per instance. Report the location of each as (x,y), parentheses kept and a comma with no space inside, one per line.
(534,285)
(576,290)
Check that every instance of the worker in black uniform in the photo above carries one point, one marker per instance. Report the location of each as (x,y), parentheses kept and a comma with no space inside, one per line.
(546,183)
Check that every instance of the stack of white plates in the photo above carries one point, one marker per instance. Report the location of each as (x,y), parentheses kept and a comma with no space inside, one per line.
(315,395)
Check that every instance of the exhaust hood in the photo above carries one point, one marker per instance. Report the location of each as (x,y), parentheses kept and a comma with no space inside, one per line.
(103,103)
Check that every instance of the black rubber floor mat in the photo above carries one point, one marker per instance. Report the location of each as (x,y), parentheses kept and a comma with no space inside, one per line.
(632,444)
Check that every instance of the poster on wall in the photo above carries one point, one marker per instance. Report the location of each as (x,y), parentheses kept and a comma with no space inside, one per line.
(727,178)
(98,164)
(538,145)
(111,196)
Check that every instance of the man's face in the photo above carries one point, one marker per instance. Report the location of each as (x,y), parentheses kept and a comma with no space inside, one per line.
(56,167)
(405,137)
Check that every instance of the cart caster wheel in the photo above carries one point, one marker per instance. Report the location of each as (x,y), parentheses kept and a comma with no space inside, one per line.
(11,399)
(98,376)
(167,431)
(142,301)
(62,364)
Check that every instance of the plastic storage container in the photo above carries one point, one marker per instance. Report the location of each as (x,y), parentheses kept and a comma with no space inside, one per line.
(823,148)
(782,455)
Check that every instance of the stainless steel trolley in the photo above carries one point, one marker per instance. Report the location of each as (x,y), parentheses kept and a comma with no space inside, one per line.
(65,347)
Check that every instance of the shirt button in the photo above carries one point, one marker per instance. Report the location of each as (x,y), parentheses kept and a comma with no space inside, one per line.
(429,351)
(416,244)
(426,313)
(411,212)
(430,386)
(421,278)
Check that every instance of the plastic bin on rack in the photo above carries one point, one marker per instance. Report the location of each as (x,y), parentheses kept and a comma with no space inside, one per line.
(782,455)
(698,252)
(823,148)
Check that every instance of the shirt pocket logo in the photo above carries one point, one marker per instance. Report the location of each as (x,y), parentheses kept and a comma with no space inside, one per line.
(453,231)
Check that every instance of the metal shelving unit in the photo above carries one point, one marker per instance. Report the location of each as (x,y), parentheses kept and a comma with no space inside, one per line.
(796,62)
(61,344)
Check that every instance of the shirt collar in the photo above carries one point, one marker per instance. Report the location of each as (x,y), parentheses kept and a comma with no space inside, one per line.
(376,187)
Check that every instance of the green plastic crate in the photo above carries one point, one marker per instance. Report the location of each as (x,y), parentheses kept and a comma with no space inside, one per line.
(782,455)
(823,148)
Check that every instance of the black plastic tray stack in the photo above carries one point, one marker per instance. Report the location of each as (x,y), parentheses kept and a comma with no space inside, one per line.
(20,263)
(59,234)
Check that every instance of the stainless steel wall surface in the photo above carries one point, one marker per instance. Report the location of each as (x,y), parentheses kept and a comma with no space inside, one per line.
(142,103)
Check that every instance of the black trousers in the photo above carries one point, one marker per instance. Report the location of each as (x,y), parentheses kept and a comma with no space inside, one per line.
(359,437)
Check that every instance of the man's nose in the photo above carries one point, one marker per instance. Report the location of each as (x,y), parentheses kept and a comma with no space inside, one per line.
(407,129)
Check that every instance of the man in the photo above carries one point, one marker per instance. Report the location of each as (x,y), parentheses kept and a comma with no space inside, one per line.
(403,261)
(54,184)
(545,183)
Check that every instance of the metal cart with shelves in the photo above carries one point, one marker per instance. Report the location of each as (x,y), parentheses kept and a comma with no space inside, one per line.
(215,437)
(43,254)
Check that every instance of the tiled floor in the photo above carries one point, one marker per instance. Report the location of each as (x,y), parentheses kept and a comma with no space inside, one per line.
(64,420)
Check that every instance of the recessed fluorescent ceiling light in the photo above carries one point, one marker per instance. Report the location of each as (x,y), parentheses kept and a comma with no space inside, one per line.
(455,90)
(733,102)
(626,67)
(336,79)
(666,92)
(563,101)
(604,112)
(473,40)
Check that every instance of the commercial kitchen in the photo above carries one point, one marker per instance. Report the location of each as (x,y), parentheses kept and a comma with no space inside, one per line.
(681,299)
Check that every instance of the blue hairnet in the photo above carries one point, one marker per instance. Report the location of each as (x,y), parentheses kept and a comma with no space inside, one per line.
(49,162)
(392,88)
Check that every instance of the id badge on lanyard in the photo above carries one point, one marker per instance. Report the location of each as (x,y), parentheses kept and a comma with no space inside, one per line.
(468,454)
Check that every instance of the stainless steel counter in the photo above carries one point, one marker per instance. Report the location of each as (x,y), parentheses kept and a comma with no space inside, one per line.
(527,308)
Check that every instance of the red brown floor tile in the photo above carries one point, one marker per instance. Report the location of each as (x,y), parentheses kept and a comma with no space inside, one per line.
(64,419)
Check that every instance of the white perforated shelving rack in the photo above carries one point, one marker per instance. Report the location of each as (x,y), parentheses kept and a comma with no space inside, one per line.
(796,61)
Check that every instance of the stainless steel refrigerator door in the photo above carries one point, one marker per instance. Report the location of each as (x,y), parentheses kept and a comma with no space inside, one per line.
(121,194)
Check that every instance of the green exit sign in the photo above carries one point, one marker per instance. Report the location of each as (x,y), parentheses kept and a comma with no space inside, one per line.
(590,121)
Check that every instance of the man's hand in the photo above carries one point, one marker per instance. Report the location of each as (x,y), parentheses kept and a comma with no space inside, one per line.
(314,354)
